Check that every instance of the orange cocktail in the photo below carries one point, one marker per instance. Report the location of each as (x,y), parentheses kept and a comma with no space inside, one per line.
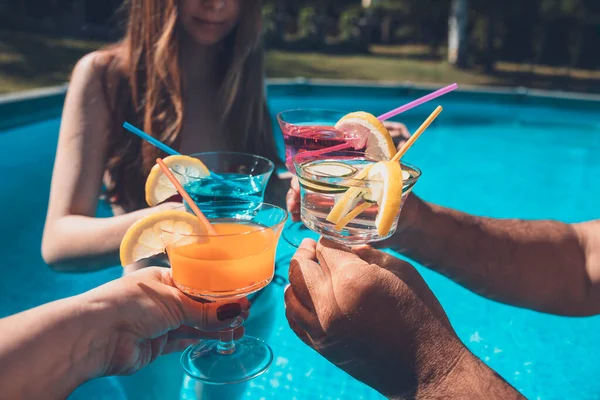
(237,261)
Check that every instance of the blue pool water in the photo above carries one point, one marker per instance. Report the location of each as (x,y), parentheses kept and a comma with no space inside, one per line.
(494,156)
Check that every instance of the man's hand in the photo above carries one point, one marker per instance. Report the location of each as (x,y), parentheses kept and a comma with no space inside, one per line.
(372,315)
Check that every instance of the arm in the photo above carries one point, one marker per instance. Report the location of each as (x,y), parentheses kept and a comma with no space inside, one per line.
(469,378)
(115,329)
(47,353)
(73,238)
(544,265)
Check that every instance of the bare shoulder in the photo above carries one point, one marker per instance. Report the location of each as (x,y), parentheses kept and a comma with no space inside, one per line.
(91,68)
(94,76)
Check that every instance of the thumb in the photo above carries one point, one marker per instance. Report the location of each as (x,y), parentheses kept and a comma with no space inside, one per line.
(374,256)
(332,256)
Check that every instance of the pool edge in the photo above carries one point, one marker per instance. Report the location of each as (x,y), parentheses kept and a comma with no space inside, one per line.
(22,108)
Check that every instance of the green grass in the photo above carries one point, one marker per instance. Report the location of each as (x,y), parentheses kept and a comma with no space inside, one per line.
(30,61)
(370,68)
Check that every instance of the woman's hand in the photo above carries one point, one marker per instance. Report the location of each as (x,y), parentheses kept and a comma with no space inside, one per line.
(292,199)
(116,329)
(398,132)
(146,316)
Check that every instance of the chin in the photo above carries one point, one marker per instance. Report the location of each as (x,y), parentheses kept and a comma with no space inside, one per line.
(207,38)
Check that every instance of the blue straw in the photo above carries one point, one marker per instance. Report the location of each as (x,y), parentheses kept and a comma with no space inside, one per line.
(150,139)
(170,151)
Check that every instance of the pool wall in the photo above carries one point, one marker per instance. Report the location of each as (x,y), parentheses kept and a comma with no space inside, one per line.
(20,108)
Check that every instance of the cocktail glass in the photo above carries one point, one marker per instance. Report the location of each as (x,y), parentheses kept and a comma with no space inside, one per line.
(309,130)
(320,189)
(237,261)
(239,185)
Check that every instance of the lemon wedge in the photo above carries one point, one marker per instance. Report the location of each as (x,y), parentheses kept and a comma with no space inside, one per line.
(368,131)
(158,186)
(147,237)
(385,180)
(385,188)
(348,200)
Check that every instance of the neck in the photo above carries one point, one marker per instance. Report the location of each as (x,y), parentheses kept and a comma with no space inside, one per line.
(198,62)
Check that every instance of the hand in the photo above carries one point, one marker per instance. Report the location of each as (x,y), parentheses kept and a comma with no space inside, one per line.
(147,316)
(292,199)
(398,131)
(372,315)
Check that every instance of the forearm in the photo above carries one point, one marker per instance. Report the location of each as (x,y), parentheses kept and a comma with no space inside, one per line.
(470,379)
(80,243)
(49,351)
(535,264)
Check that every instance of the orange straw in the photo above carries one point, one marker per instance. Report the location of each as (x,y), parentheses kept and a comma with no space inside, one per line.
(186,196)
(417,133)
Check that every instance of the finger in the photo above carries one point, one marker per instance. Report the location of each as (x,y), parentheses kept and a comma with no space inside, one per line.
(293,205)
(333,255)
(307,320)
(374,256)
(295,185)
(302,334)
(305,274)
(179,344)
(212,316)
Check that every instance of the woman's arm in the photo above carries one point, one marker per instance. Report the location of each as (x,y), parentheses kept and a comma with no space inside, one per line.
(115,329)
(74,239)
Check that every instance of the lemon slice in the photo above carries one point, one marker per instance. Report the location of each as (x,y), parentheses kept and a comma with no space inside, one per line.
(386,189)
(351,215)
(146,238)
(369,131)
(348,200)
(158,186)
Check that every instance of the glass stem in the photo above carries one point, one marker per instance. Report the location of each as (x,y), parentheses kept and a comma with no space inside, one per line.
(226,344)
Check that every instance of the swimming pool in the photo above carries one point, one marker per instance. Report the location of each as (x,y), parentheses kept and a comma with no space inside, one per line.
(495,154)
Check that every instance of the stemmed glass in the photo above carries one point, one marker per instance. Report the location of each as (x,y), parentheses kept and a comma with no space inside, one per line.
(307,131)
(236,262)
(319,192)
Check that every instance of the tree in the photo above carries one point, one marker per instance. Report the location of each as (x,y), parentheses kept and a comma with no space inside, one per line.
(457,33)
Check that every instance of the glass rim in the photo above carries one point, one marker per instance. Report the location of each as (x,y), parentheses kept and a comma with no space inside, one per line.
(236,153)
(208,235)
(280,113)
(349,181)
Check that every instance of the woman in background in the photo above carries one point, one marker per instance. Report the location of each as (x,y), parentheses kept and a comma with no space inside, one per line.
(190,73)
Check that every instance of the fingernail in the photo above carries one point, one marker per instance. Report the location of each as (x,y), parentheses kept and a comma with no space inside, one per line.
(229,311)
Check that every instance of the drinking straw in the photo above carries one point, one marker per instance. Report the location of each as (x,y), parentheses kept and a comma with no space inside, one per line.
(418,102)
(150,139)
(331,149)
(186,196)
(170,151)
(417,133)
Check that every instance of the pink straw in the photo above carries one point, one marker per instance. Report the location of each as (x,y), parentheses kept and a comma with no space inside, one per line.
(330,149)
(418,102)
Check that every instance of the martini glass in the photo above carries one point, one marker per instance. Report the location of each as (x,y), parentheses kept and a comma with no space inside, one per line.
(320,189)
(233,263)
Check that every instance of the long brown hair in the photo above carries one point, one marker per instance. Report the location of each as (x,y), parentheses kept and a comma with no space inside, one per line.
(145,81)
